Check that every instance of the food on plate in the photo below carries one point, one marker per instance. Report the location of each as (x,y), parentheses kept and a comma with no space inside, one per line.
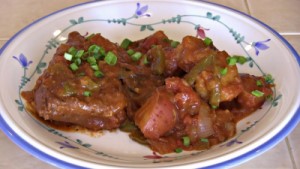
(169,95)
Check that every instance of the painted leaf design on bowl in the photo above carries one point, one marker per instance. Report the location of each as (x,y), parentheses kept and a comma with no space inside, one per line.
(66,144)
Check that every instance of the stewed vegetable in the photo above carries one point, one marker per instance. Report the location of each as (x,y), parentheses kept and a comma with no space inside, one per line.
(169,95)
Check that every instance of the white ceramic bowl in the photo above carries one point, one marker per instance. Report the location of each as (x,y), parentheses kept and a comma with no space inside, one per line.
(28,52)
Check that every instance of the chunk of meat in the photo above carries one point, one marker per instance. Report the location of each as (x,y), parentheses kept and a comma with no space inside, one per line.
(59,97)
(191,51)
(157,116)
(246,99)
(224,124)
(158,38)
(185,98)
(223,87)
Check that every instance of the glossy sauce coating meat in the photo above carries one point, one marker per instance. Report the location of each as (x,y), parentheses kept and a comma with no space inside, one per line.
(168,95)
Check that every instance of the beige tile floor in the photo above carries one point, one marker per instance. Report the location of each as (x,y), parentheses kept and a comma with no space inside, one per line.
(282,15)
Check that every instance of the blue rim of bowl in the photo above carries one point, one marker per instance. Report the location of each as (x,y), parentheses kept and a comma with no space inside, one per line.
(232,162)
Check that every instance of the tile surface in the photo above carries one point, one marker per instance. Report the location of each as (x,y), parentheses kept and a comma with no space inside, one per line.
(276,158)
(15,14)
(16,158)
(294,41)
(235,4)
(282,15)
(294,140)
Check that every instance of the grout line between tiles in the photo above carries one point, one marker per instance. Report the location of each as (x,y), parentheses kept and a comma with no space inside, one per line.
(247,6)
(290,152)
(290,33)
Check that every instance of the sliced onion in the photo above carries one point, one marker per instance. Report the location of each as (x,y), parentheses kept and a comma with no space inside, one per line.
(205,127)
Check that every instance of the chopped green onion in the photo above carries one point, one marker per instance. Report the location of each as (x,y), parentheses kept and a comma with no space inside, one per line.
(77,61)
(98,73)
(153,46)
(269,79)
(240,59)
(174,44)
(130,52)
(73,66)
(94,67)
(178,150)
(87,93)
(269,97)
(214,106)
(259,83)
(72,50)
(97,56)
(81,74)
(111,58)
(166,39)
(102,51)
(205,140)
(231,61)
(91,60)
(90,36)
(186,141)
(145,60)
(257,93)
(94,49)
(223,71)
(125,43)
(68,56)
(207,41)
(79,54)
(136,56)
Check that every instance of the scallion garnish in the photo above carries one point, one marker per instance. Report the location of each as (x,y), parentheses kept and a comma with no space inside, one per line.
(87,93)
(77,61)
(145,60)
(257,93)
(174,44)
(130,52)
(101,51)
(94,49)
(223,71)
(207,41)
(205,140)
(178,150)
(259,83)
(136,56)
(98,73)
(68,56)
(73,66)
(72,50)
(269,79)
(94,66)
(90,36)
(186,141)
(79,53)
(111,58)
(214,106)
(81,74)
(240,59)
(91,60)
(125,43)
(231,61)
